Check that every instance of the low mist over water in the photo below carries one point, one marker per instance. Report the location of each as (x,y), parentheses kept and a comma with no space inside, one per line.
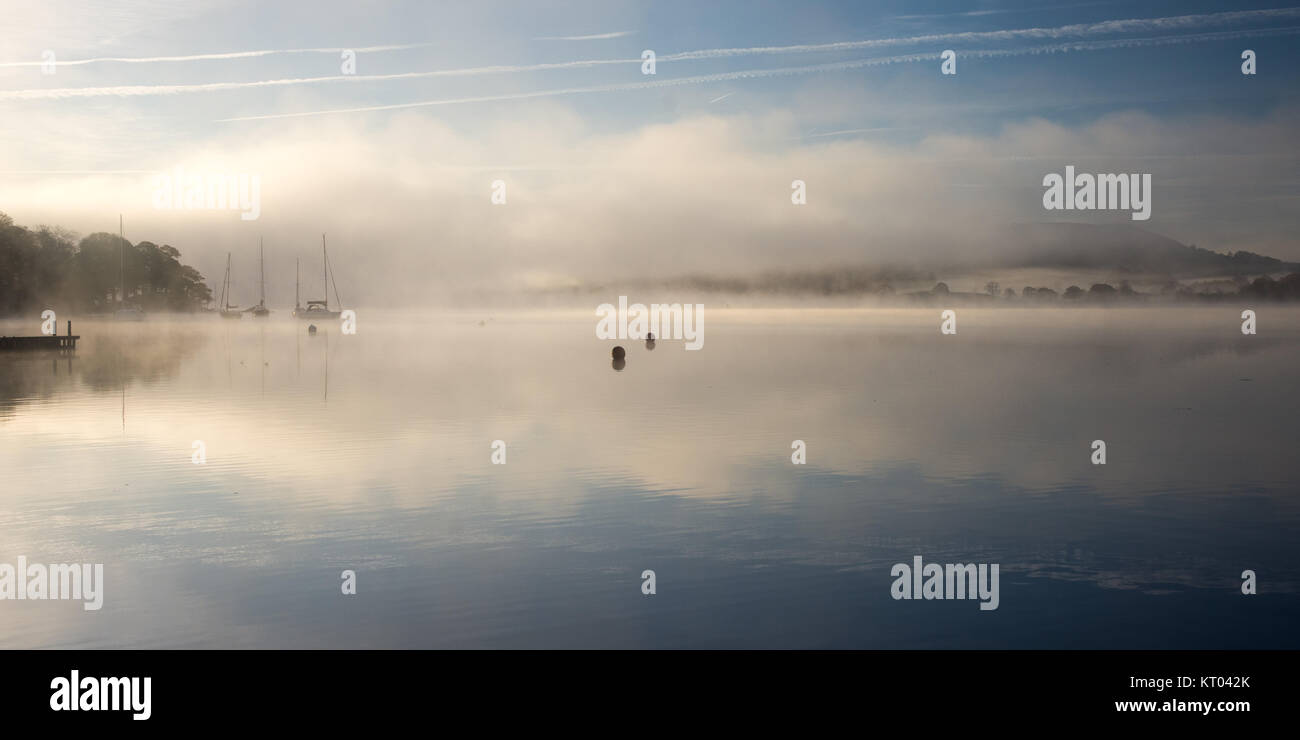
(374,453)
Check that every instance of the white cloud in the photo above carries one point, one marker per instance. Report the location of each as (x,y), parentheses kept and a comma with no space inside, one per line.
(406,201)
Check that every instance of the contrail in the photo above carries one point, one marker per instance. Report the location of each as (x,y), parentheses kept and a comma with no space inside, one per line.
(222,55)
(792,71)
(720,97)
(967,14)
(1077,31)
(592,37)
(978,13)
(1080,30)
(1132,25)
(618,87)
(137,90)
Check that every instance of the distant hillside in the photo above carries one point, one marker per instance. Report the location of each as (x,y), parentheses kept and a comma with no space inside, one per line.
(1127,250)
(1073,253)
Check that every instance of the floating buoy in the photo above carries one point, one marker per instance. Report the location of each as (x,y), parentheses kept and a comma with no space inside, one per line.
(650,336)
(619,353)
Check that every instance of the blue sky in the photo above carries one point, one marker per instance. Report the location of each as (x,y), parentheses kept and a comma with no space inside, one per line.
(845,95)
(1156,74)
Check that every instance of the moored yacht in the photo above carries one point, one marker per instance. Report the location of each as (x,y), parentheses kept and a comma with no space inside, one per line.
(318,309)
(124,312)
(260,311)
(228,311)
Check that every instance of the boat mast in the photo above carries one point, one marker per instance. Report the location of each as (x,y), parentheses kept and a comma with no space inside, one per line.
(326,258)
(121,261)
(333,275)
(225,286)
(262,261)
(297,282)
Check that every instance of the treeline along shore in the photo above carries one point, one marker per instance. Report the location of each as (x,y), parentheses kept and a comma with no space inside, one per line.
(1263,288)
(48,267)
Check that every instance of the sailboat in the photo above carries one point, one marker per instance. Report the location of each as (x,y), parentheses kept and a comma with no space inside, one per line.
(319,309)
(260,311)
(228,311)
(124,312)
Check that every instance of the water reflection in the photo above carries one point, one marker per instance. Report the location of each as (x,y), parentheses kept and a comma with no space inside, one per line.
(109,357)
(371,452)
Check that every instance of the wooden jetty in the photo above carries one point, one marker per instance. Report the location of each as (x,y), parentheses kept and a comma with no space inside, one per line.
(53,343)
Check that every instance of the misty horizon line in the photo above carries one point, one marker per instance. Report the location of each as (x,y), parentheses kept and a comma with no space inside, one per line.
(1038,259)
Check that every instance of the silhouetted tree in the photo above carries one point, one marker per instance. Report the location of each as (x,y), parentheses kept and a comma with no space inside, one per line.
(46,268)
(1101,292)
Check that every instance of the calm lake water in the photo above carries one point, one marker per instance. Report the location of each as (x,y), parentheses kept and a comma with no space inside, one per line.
(373,453)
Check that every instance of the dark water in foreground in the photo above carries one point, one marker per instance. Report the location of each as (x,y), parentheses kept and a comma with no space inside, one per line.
(373,453)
